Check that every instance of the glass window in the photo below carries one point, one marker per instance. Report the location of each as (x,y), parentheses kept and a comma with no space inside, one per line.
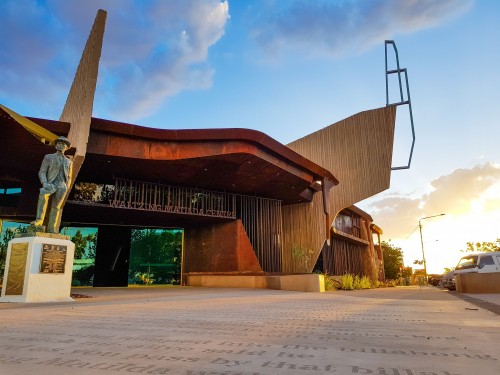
(9,194)
(497,258)
(467,262)
(486,261)
(85,240)
(155,256)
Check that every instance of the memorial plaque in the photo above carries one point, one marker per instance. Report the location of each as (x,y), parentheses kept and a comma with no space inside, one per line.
(17,269)
(53,258)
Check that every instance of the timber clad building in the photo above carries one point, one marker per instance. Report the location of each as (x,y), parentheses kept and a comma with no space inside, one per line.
(247,204)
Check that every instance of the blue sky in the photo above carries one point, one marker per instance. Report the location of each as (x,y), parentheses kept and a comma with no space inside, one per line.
(288,68)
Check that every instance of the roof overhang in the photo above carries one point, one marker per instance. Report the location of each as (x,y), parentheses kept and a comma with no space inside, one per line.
(239,161)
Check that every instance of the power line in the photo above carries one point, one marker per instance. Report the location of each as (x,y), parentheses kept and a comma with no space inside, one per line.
(413,231)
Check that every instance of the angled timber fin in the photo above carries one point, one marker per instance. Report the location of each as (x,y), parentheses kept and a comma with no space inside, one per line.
(78,108)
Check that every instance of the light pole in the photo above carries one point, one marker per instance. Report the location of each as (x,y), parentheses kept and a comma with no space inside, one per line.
(422,242)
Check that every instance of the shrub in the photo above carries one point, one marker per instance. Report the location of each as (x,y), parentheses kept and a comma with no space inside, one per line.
(351,282)
(302,256)
(391,283)
(84,276)
(329,283)
(347,281)
(356,282)
(386,284)
(365,283)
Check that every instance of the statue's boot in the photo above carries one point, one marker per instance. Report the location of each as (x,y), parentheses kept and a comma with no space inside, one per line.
(40,210)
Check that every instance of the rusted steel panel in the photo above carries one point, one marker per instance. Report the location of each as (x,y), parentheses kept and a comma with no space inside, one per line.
(136,148)
(216,247)
(247,136)
(235,166)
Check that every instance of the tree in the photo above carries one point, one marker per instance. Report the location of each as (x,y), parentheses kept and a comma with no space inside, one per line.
(483,247)
(8,235)
(92,247)
(407,272)
(302,256)
(81,242)
(85,191)
(393,260)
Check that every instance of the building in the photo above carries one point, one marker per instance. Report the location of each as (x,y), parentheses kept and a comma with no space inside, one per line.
(247,204)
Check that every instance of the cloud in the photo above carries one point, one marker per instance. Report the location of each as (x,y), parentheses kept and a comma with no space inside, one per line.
(337,28)
(462,192)
(454,192)
(152,50)
(169,56)
(395,215)
(29,67)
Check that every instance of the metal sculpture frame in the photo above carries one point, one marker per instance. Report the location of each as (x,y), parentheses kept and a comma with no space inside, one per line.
(402,101)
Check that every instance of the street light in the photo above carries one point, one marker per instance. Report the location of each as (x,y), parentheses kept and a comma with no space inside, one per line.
(422,241)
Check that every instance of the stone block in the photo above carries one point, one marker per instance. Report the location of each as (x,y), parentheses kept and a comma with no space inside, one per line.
(38,269)
(300,283)
(478,282)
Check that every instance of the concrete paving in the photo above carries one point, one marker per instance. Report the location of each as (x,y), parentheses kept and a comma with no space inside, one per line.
(195,331)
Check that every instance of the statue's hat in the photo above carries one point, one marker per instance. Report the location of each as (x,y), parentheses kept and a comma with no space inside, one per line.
(64,140)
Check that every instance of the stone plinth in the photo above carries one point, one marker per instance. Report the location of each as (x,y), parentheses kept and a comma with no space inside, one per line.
(300,283)
(478,282)
(38,269)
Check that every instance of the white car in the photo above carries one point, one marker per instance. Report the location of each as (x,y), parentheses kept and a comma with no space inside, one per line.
(480,263)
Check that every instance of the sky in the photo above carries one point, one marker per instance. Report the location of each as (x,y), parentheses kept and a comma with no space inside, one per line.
(289,68)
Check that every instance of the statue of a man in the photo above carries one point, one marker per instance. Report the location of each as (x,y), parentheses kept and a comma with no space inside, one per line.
(55,175)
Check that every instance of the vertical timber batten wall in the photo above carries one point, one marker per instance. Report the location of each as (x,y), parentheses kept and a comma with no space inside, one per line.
(358,152)
(262,221)
(343,257)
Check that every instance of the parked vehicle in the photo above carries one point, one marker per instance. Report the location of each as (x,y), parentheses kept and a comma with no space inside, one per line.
(480,263)
(434,279)
(448,281)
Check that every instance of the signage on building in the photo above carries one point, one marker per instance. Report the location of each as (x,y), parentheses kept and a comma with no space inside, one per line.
(173,209)
(172,199)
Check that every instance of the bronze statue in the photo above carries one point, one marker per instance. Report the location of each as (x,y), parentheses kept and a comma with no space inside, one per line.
(55,175)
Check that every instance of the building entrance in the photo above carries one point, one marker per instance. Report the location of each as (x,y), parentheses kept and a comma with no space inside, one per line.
(135,256)
(155,257)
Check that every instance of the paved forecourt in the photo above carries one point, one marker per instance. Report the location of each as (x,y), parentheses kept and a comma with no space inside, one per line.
(194,331)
